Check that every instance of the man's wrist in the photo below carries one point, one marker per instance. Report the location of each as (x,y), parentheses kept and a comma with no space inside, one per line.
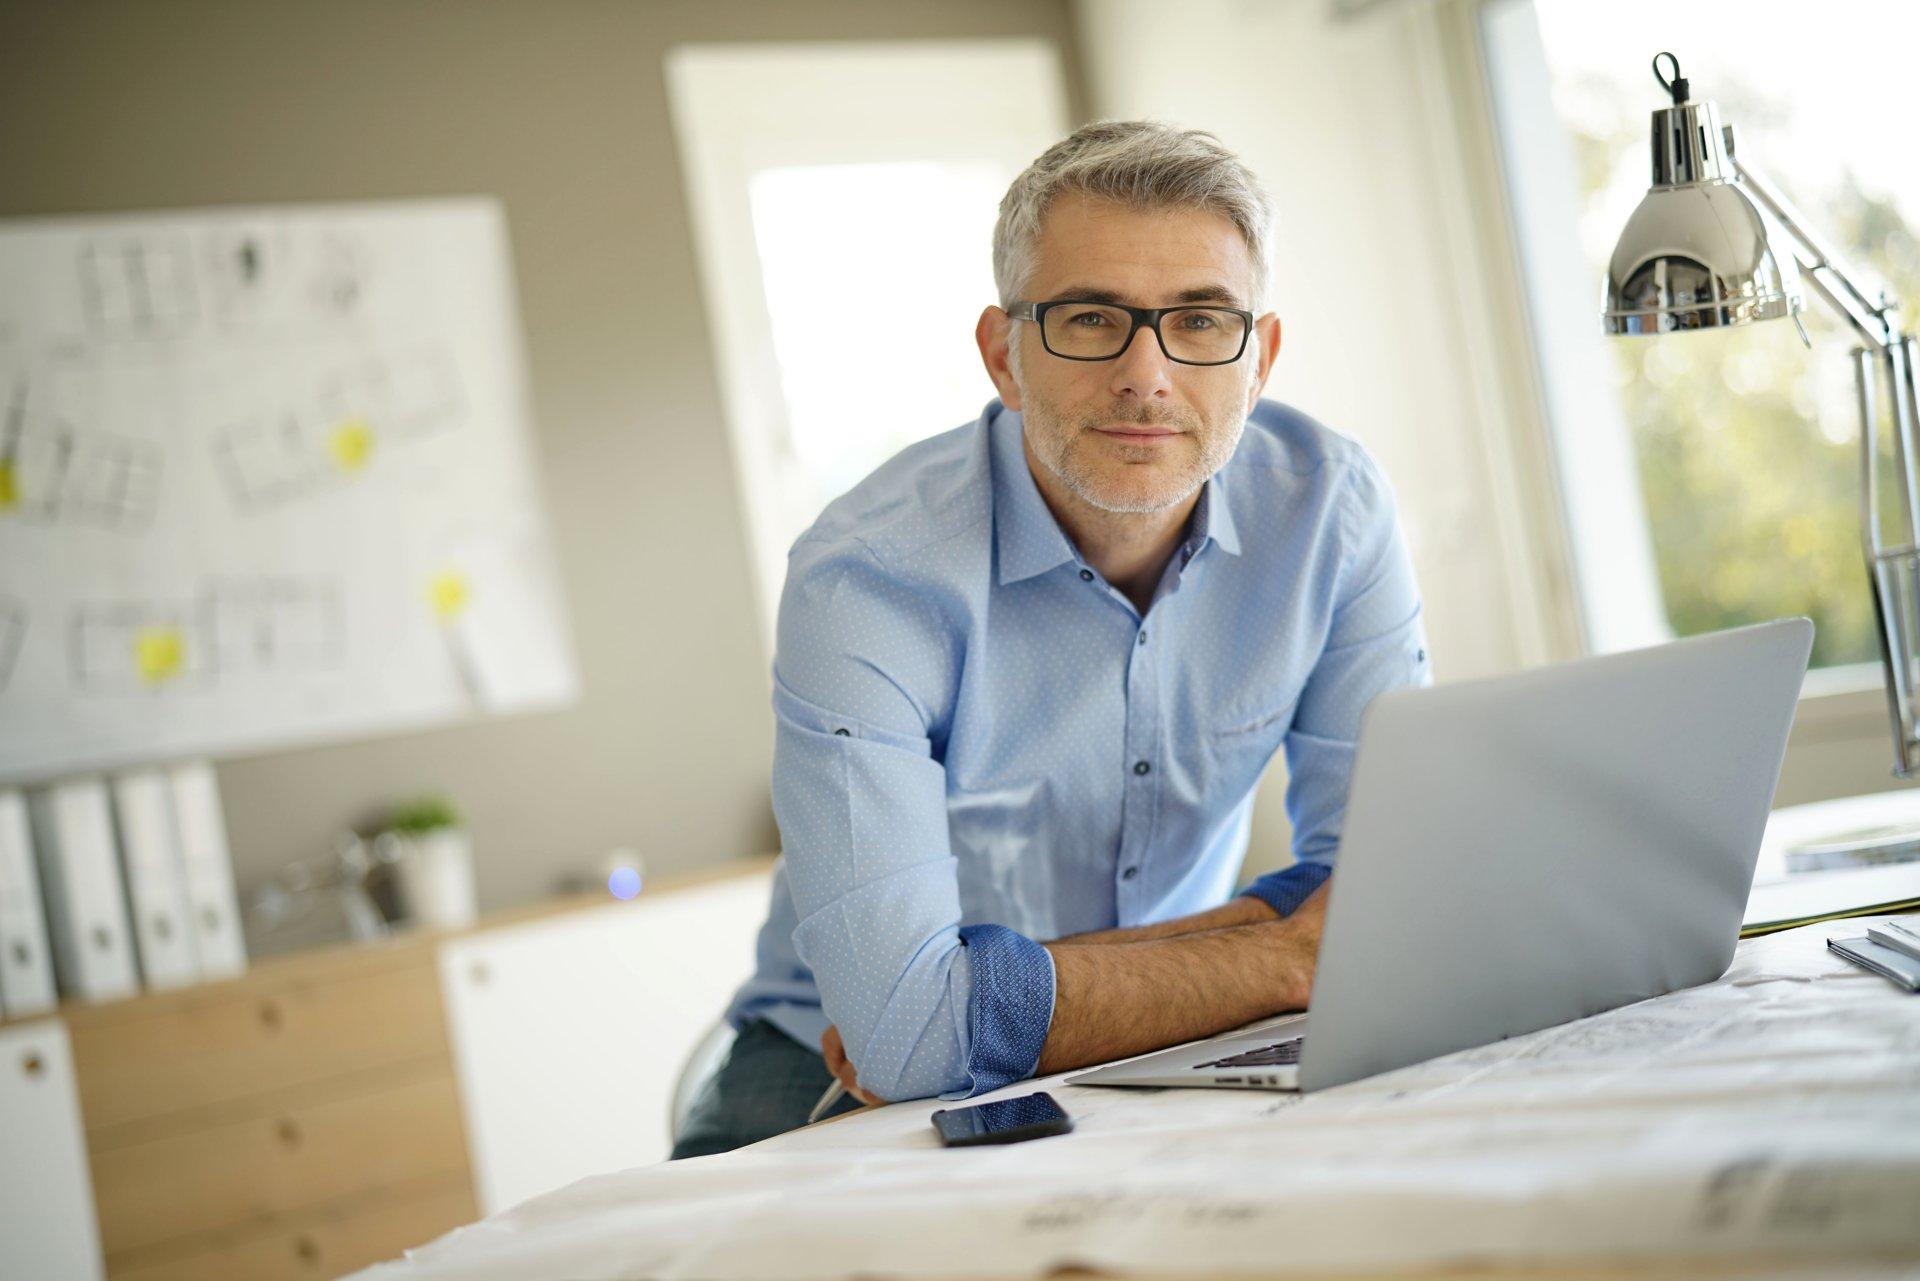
(1285,890)
(1252,909)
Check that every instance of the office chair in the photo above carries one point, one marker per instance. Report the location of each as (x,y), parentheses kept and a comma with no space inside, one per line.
(707,1056)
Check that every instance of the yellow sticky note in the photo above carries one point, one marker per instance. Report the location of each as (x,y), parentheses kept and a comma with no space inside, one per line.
(9,487)
(159,653)
(448,594)
(351,442)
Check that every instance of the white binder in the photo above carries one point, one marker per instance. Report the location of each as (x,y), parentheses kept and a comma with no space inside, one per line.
(80,880)
(156,879)
(26,963)
(213,904)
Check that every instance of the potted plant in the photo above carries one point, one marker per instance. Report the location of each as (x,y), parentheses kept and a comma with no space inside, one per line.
(432,860)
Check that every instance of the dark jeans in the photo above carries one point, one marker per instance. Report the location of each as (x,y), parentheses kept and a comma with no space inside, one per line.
(767,1086)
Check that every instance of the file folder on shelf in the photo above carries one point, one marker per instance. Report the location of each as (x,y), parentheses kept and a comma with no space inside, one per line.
(156,879)
(80,880)
(26,963)
(213,904)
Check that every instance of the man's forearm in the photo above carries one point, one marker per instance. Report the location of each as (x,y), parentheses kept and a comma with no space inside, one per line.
(1241,910)
(1131,997)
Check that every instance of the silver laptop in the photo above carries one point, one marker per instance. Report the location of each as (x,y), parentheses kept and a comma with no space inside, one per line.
(1528,850)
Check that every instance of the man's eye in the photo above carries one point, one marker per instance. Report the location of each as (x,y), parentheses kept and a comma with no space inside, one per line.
(1197,320)
(1087,318)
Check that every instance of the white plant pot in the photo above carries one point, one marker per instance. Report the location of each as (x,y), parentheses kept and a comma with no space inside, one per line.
(434,876)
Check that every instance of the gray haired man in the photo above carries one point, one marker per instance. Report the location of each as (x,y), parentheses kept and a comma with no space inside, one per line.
(1029,672)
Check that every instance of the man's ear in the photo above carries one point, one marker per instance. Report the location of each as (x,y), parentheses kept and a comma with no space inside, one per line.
(993,333)
(1267,329)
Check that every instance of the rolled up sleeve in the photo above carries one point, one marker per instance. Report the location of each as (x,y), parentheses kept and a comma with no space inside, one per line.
(923,1005)
(1285,890)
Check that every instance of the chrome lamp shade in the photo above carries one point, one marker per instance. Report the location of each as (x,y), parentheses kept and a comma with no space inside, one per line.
(1697,253)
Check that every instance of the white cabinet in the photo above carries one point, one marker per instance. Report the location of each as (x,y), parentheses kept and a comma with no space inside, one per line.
(46,1197)
(568,1033)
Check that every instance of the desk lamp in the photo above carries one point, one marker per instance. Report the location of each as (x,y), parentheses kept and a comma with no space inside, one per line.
(1714,244)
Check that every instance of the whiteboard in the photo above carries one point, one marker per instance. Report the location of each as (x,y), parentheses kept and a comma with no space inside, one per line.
(266,478)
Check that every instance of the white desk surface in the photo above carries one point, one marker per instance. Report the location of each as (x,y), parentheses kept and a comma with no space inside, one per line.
(1767,1124)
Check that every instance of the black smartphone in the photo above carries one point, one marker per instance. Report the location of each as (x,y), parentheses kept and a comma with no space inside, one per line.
(1031,1116)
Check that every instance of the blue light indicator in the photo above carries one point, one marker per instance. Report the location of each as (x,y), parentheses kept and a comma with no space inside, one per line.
(624,883)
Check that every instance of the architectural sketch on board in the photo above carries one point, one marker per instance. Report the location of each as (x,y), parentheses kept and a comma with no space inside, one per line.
(244,453)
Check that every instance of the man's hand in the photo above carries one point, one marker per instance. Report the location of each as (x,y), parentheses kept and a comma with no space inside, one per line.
(836,1057)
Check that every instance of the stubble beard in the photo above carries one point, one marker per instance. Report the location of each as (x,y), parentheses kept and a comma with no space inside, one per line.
(1066,446)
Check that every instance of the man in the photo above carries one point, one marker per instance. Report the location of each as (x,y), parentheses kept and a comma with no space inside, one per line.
(1029,672)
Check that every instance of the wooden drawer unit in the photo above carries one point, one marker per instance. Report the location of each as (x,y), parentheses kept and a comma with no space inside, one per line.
(243,1040)
(299,1120)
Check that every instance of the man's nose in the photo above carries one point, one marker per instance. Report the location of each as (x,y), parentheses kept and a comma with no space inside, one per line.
(1142,369)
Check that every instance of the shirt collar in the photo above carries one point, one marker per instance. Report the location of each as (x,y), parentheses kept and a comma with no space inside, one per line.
(1028,541)
(1213,517)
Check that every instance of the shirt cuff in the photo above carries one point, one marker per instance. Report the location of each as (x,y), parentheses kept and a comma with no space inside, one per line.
(1285,890)
(1011,1006)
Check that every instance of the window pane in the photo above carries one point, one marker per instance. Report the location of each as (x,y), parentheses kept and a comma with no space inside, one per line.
(875,276)
(1746,443)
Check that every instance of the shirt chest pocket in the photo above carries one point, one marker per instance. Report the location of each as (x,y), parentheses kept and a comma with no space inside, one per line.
(1239,747)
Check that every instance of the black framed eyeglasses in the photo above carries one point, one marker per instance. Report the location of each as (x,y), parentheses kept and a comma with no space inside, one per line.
(1077,329)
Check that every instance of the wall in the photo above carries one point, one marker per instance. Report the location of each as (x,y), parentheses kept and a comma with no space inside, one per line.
(560,110)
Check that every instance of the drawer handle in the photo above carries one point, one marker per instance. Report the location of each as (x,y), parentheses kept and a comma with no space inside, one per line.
(31,1064)
(307,1248)
(270,1015)
(289,1133)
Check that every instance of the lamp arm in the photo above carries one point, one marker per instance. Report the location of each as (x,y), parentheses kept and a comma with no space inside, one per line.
(1857,298)
(1885,366)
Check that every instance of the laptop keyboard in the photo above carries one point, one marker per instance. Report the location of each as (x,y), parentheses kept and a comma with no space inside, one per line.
(1279,1054)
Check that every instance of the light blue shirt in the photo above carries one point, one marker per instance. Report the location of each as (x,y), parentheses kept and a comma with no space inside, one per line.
(980,744)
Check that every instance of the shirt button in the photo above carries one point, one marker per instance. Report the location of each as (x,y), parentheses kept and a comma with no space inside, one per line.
(1143,635)
(843,733)
(1141,767)
(1129,874)
(1086,575)
(1420,657)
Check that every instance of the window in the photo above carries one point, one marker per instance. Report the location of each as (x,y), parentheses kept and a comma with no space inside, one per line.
(843,199)
(893,359)
(1710,479)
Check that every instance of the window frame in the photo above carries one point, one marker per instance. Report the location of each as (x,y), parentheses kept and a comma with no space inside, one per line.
(1843,702)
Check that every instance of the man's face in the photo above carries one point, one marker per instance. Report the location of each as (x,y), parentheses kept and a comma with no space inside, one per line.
(1139,433)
